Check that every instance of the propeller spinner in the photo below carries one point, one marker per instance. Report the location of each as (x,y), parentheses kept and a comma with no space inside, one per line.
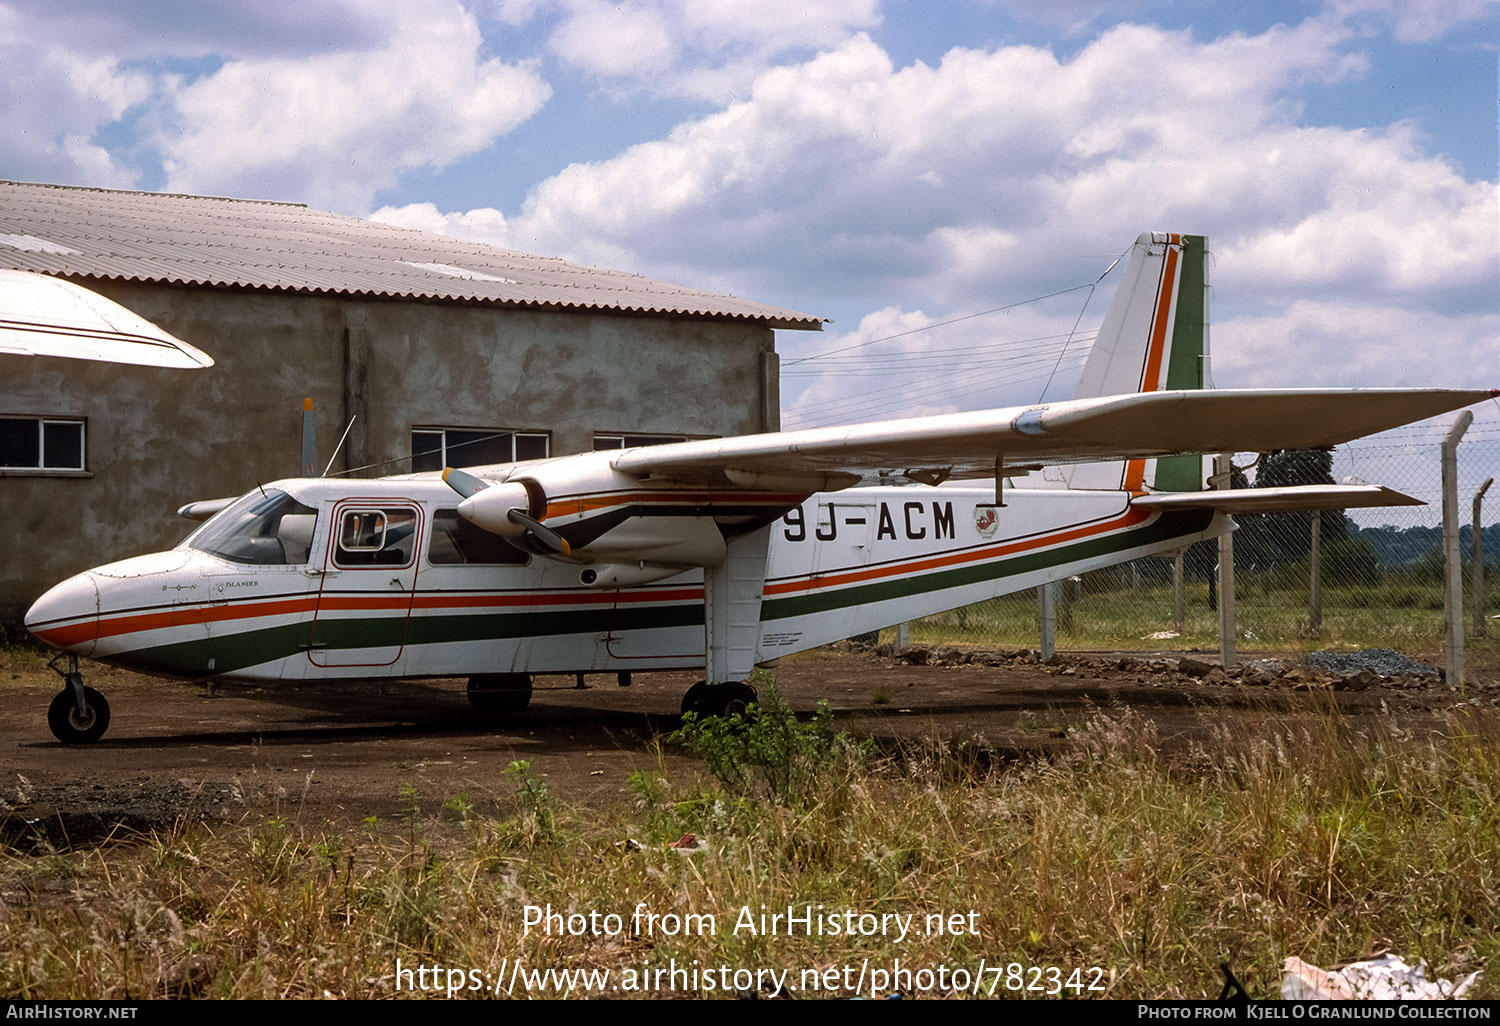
(503,509)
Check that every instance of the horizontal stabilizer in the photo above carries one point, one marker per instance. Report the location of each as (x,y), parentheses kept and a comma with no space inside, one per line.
(204,508)
(1281,500)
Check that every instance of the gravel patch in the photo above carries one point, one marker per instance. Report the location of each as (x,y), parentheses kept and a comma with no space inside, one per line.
(1384,661)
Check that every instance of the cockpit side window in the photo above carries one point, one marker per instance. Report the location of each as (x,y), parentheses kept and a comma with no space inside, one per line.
(264,528)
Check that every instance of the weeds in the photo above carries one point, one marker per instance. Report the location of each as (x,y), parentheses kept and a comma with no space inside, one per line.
(533,802)
(1152,858)
(767,752)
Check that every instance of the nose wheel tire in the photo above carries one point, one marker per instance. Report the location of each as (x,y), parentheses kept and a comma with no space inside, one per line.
(72,728)
(728,699)
(499,694)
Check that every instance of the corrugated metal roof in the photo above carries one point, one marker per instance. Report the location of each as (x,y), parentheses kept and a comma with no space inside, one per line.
(203,240)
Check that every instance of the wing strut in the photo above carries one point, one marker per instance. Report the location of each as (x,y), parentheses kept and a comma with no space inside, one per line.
(731,607)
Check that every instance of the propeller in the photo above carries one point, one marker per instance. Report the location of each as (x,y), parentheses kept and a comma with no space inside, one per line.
(462,483)
(541,532)
(309,440)
(502,509)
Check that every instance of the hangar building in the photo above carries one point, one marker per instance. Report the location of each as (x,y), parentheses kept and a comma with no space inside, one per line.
(437,349)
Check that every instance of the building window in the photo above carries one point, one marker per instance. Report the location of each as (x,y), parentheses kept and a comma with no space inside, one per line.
(41,443)
(433,448)
(623,441)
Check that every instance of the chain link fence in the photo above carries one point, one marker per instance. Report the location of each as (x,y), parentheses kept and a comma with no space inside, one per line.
(1380,580)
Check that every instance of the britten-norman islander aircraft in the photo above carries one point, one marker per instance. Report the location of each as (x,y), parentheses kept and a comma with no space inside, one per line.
(720,553)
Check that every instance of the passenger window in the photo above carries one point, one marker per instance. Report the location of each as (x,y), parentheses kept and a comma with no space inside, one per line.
(456,541)
(369,537)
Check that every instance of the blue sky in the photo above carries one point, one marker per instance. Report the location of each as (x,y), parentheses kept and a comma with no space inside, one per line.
(892,165)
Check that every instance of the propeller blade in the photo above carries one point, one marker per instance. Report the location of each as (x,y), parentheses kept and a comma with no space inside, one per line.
(462,483)
(541,532)
(309,440)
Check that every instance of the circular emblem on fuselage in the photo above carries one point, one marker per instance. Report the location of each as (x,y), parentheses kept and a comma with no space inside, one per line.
(986,521)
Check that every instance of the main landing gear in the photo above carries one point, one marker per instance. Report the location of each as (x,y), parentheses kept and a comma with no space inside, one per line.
(727,699)
(78,714)
(499,694)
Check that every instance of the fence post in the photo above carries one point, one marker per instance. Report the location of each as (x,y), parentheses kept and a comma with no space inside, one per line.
(903,636)
(1179,604)
(1476,563)
(1453,596)
(1315,576)
(1223,471)
(1045,596)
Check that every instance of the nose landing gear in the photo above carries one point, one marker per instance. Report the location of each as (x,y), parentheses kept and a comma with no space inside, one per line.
(78,714)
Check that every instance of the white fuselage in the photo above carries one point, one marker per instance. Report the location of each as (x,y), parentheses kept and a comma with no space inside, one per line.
(839,564)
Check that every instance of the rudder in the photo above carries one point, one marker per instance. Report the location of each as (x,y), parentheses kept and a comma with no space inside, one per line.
(1154,337)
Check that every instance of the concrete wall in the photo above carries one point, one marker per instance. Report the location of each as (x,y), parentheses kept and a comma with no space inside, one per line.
(158,438)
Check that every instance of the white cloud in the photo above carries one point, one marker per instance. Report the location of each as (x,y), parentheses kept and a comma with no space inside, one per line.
(1329,343)
(124,30)
(1413,21)
(702,49)
(950,187)
(333,129)
(483,225)
(616,39)
(53,104)
(910,361)
(942,181)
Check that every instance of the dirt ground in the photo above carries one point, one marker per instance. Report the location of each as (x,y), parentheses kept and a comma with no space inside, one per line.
(339,753)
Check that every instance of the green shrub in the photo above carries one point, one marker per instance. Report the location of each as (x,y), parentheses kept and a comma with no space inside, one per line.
(767,752)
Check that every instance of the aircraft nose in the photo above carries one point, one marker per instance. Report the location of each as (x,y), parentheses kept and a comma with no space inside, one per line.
(67,616)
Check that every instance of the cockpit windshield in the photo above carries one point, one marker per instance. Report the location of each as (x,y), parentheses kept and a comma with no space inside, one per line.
(267,527)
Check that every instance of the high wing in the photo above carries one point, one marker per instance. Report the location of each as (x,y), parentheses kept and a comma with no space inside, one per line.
(1136,426)
(45,316)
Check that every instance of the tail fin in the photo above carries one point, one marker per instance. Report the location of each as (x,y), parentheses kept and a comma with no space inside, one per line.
(1155,336)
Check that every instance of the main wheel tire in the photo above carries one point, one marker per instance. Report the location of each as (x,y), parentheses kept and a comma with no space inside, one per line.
(727,699)
(71,728)
(500,694)
(735,698)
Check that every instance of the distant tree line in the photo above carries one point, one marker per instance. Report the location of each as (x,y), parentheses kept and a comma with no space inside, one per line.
(1279,544)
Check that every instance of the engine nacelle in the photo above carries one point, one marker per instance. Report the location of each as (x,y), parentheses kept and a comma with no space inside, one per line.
(614,519)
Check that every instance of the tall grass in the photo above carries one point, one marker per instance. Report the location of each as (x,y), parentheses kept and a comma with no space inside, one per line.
(1397,616)
(1153,860)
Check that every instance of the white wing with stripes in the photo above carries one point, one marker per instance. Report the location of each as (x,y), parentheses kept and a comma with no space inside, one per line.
(1143,425)
(45,316)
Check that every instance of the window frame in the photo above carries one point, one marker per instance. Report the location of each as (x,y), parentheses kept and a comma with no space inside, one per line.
(661,438)
(442,451)
(41,421)
(385,507)
(520,559)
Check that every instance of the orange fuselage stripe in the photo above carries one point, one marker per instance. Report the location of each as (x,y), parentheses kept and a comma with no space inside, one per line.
(589,503)
(1129,518)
